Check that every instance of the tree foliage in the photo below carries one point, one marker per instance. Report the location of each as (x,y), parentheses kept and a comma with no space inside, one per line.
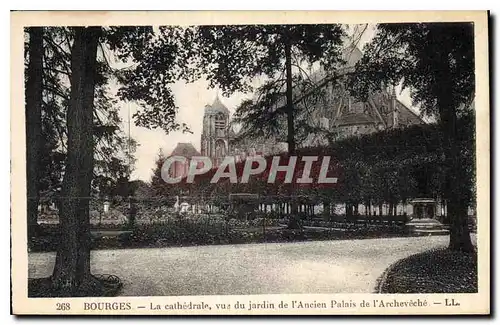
(155,61)
(251,58)
(410,54)
(436,62)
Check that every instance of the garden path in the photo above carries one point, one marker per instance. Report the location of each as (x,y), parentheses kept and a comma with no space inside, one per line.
(339,266)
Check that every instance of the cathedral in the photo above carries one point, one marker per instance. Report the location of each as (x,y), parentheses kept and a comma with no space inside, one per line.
(339,114)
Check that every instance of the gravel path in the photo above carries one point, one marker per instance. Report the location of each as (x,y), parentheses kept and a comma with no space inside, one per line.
(340,266)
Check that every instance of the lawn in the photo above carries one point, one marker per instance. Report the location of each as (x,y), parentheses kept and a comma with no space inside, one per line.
(434,271)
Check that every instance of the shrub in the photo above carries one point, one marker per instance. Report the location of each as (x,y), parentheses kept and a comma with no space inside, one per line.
(259,222)
(185,231)
(236,223)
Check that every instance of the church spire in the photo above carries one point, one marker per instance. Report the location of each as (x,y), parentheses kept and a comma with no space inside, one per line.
(218,106)
(217,100)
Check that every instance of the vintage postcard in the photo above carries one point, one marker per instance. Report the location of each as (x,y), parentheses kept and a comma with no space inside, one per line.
(246,163)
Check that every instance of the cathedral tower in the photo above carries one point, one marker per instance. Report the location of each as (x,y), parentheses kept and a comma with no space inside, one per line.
(215,133)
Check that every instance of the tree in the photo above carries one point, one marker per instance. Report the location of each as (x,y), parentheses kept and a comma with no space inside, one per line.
(234,57)
(158,185)
(146,81)
(72,268)
(113,157)
(33,115)
(160,189)
(436,62)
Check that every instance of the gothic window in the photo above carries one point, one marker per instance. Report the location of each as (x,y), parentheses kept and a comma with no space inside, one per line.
(204,149)
(220,125)
(220,122)
(220,149)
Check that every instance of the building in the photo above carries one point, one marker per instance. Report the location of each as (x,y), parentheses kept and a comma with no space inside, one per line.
(216,132)
(186,150)
(344,116)
(339,114)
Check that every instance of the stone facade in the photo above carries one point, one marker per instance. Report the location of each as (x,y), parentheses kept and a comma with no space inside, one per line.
(216,132)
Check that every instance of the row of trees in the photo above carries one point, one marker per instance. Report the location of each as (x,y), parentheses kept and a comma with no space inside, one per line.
(390,167)
(69,69)
(434,60)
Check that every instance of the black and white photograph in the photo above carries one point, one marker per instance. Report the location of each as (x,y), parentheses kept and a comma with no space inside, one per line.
(313,159)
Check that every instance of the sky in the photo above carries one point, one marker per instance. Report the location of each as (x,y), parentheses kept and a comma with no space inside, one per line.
(191,99)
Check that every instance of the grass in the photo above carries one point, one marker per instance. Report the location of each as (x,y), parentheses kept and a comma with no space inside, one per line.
(434,271)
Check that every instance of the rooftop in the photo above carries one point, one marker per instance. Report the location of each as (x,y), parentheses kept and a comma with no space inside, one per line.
(185,149)
(217,107)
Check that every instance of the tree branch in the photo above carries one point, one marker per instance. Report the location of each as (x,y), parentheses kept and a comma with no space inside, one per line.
(61,57)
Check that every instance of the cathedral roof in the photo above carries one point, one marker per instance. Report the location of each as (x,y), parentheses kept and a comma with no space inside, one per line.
(355,118)
(350,55)
(217,107)
(185,149)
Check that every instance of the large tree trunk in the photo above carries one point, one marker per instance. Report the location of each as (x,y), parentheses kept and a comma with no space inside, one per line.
(72,270)
(456,193)
(289,99)
(33,111)
(294,218)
